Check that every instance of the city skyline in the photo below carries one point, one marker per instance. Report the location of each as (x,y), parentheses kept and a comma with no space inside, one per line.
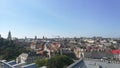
(78,18)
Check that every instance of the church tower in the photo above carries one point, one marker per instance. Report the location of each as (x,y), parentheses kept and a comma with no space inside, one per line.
(35,38)
(9,36)
(0,36)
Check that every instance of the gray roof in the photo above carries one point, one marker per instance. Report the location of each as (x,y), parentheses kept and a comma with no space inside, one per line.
(9,65)
(78,64)
(95,64)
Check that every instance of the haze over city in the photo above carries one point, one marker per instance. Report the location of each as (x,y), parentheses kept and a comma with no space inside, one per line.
(66,18)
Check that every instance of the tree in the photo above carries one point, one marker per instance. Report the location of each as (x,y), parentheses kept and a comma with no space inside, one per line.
(58,61)
(42,62)
(9,49)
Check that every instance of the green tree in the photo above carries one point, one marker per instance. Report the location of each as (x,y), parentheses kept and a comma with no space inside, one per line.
(9,49)
(42,62)
(58,61)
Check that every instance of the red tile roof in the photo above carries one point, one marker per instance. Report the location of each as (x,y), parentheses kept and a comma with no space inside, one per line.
(116,51)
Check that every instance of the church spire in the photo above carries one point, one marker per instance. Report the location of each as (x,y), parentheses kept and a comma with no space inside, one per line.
(35,37)
(0,36)
(9,36)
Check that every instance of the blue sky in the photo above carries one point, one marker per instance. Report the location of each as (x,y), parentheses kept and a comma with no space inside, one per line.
(66,18)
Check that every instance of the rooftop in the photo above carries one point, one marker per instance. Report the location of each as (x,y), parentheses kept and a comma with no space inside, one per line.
(93,64)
